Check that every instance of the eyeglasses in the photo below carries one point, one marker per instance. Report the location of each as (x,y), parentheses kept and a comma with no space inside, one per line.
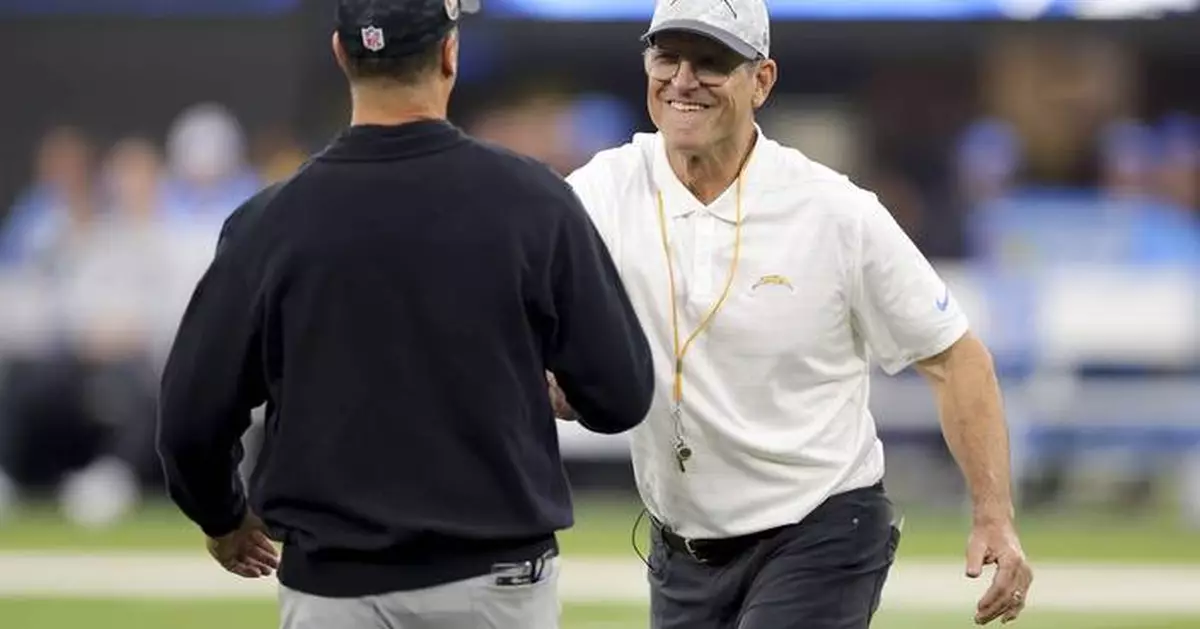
(711,71)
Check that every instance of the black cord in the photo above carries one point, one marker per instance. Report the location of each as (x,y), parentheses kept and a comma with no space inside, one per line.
(633,538)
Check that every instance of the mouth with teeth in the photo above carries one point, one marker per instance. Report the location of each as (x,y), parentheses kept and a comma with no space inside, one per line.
(686,106)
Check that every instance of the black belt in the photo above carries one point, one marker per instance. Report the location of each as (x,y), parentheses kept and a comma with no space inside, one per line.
(721,551)
(715,552)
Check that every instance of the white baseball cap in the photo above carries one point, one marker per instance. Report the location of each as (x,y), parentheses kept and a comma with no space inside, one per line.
(742,25)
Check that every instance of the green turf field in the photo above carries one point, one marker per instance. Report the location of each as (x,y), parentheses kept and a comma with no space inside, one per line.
(71,614)
(603,527)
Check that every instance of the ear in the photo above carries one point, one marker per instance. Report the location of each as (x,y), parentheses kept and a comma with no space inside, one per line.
(339,53)
(765,76)
(450,54)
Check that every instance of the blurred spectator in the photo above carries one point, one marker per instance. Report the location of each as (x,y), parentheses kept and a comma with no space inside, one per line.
(209,174)
(54,209)
(905,202)
(1153,226)
(60,192)
(1127,218)
(115,289)
(988,161)
(1057,93)
(532,124)
(276,155)
(826,129)
(1127,149)
(110,275)
(595,122)
(1177,174)
(548,123)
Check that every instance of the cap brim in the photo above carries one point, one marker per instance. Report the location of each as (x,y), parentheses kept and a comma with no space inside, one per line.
(723,37)
(469,6)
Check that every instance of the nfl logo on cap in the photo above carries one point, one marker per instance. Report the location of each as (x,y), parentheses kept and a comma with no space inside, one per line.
(452,9)
(372,38)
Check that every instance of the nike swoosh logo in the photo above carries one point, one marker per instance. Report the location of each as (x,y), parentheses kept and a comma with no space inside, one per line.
(944,302)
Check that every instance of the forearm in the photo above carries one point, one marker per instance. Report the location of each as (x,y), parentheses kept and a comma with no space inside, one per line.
(210,383)
(206,489)
(200,449)
(599,354)
(971,412)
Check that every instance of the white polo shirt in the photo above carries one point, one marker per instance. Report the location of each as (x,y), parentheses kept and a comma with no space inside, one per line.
(775,391)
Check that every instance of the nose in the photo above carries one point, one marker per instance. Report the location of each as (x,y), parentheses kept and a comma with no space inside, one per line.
(685,77)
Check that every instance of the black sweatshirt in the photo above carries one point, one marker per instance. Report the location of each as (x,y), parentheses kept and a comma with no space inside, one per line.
(395,305)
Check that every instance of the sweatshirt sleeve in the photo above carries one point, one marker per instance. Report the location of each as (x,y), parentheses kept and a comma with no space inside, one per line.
(599,352)
(211,382)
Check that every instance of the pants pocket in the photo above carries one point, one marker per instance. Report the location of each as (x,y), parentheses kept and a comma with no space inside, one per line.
(521,606)
(893,544)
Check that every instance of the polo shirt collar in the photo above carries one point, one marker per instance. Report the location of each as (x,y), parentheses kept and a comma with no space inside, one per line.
(680,201)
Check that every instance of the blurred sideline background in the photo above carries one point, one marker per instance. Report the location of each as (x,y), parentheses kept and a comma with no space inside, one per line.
(1044,153)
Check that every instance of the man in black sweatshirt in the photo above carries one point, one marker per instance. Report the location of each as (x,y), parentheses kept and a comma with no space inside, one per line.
(397,305)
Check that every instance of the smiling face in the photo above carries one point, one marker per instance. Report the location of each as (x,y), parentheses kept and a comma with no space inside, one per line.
(700,93)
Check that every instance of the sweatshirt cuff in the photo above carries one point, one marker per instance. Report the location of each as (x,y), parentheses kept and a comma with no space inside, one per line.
(220,528)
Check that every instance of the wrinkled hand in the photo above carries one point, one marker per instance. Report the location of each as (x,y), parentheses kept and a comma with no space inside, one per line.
(246,552)
(997,543)
(558,400)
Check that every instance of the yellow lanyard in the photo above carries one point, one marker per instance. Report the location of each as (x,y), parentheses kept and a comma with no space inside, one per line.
(680,351)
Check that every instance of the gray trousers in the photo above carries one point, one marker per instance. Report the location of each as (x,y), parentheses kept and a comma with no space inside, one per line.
(476,603)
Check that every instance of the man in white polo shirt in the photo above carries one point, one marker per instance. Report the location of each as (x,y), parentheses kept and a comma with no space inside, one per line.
(765,283)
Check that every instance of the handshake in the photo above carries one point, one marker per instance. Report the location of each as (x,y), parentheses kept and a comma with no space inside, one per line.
(558,401)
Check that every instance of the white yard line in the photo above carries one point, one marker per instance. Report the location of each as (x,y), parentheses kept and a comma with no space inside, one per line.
(913,585)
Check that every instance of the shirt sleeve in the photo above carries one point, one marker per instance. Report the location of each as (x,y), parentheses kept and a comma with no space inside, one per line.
(901,306)
(211,382)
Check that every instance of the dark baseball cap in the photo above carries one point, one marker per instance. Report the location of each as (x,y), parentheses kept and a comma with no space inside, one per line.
(395,28)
